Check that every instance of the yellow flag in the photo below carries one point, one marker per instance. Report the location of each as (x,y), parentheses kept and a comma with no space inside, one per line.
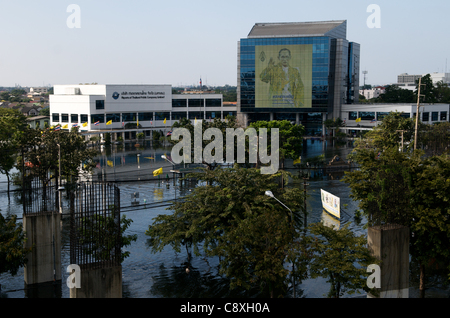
(157,172)
(137,123)
(358,120)
(85,124)
(164,121)
(109,122)
(298,161)
(66,126)
(109,163)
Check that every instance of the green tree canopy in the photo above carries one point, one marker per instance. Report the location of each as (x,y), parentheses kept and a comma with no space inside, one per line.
(340,257)
(12,251)
(231,217)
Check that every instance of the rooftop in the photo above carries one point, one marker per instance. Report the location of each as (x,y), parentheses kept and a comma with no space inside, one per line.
(335,28)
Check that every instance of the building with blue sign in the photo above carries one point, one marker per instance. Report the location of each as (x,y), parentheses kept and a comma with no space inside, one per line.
(301,72)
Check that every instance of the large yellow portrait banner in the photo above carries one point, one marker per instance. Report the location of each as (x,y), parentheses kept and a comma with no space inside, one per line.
(283,76)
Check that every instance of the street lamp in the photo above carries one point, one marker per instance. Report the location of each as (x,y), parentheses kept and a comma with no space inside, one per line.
(164,157)
(270,194)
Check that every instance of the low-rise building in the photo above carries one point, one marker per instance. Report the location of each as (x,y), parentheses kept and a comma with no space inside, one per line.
(109,108)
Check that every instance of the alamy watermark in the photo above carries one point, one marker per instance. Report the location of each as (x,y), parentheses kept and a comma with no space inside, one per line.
(258,146)
(74,279)
(374,20)
(74,20)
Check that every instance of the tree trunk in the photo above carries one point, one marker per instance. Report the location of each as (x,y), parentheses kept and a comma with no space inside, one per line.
(422,281)
(7,176)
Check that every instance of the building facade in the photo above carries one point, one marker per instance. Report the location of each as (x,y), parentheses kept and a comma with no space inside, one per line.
(372,114)
(97,108)
(302,72)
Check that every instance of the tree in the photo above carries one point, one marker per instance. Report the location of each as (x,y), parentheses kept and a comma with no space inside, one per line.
(44,111)
(336,253)
(231,217)
(222,125)
(99,235)
(12,130)
(405,188)
(395,94)
(430,240)
(290,138)
(427,90)
(334,124)
(389,133)
(12,251)
(442,93)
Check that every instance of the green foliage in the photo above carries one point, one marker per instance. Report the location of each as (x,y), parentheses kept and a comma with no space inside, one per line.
(395,94)
(231,217)
(291,137)
(13,128)
(427,90)
(99,235)
(12,251)
(406,188)
(43,153)
(340,257)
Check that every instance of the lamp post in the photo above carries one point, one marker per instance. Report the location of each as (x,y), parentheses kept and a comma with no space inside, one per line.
(165,158)
(270,194)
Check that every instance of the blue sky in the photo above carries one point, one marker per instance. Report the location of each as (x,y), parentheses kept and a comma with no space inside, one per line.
(177,42)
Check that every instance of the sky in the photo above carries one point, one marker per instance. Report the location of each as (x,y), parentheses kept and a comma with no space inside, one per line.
(178,42)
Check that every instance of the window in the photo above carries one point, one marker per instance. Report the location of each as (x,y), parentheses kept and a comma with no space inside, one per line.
(195,103)
(406,115)
(64,118)
(426,116)
(128,117)
(367,115)
(162,116)
(443,116)
(434,116)
(55,117)
(225,114)
(212,115)
(179,103)
(179,115)
(99,104)
(97,118)
(195,115)
(215,102)
(381,115)
(145,116)
(84,118)
(114,117)
(352,115)
(74,118)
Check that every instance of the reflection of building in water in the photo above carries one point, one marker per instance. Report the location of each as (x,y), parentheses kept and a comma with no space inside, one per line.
(334,79)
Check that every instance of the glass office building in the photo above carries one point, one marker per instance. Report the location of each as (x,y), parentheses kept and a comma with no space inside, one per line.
(301,72)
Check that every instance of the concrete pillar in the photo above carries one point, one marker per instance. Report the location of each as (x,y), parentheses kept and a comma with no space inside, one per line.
(390,244)
(43,259)
(99,283)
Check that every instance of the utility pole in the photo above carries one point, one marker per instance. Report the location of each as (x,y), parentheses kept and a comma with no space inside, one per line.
(417,113)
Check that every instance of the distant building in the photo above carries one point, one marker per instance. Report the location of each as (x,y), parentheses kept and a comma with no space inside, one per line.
(372,114)
(407,81)
(39,90)
(302,72)
(373,92)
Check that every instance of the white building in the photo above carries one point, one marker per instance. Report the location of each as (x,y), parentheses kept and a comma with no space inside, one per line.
(372,114)
(147,105)
(372,93)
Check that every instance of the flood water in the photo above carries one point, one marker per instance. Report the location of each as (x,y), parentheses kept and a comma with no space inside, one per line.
(148,275)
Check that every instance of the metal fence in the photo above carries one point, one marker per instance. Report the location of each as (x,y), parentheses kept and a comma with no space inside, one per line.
(95,231)
(39,197)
